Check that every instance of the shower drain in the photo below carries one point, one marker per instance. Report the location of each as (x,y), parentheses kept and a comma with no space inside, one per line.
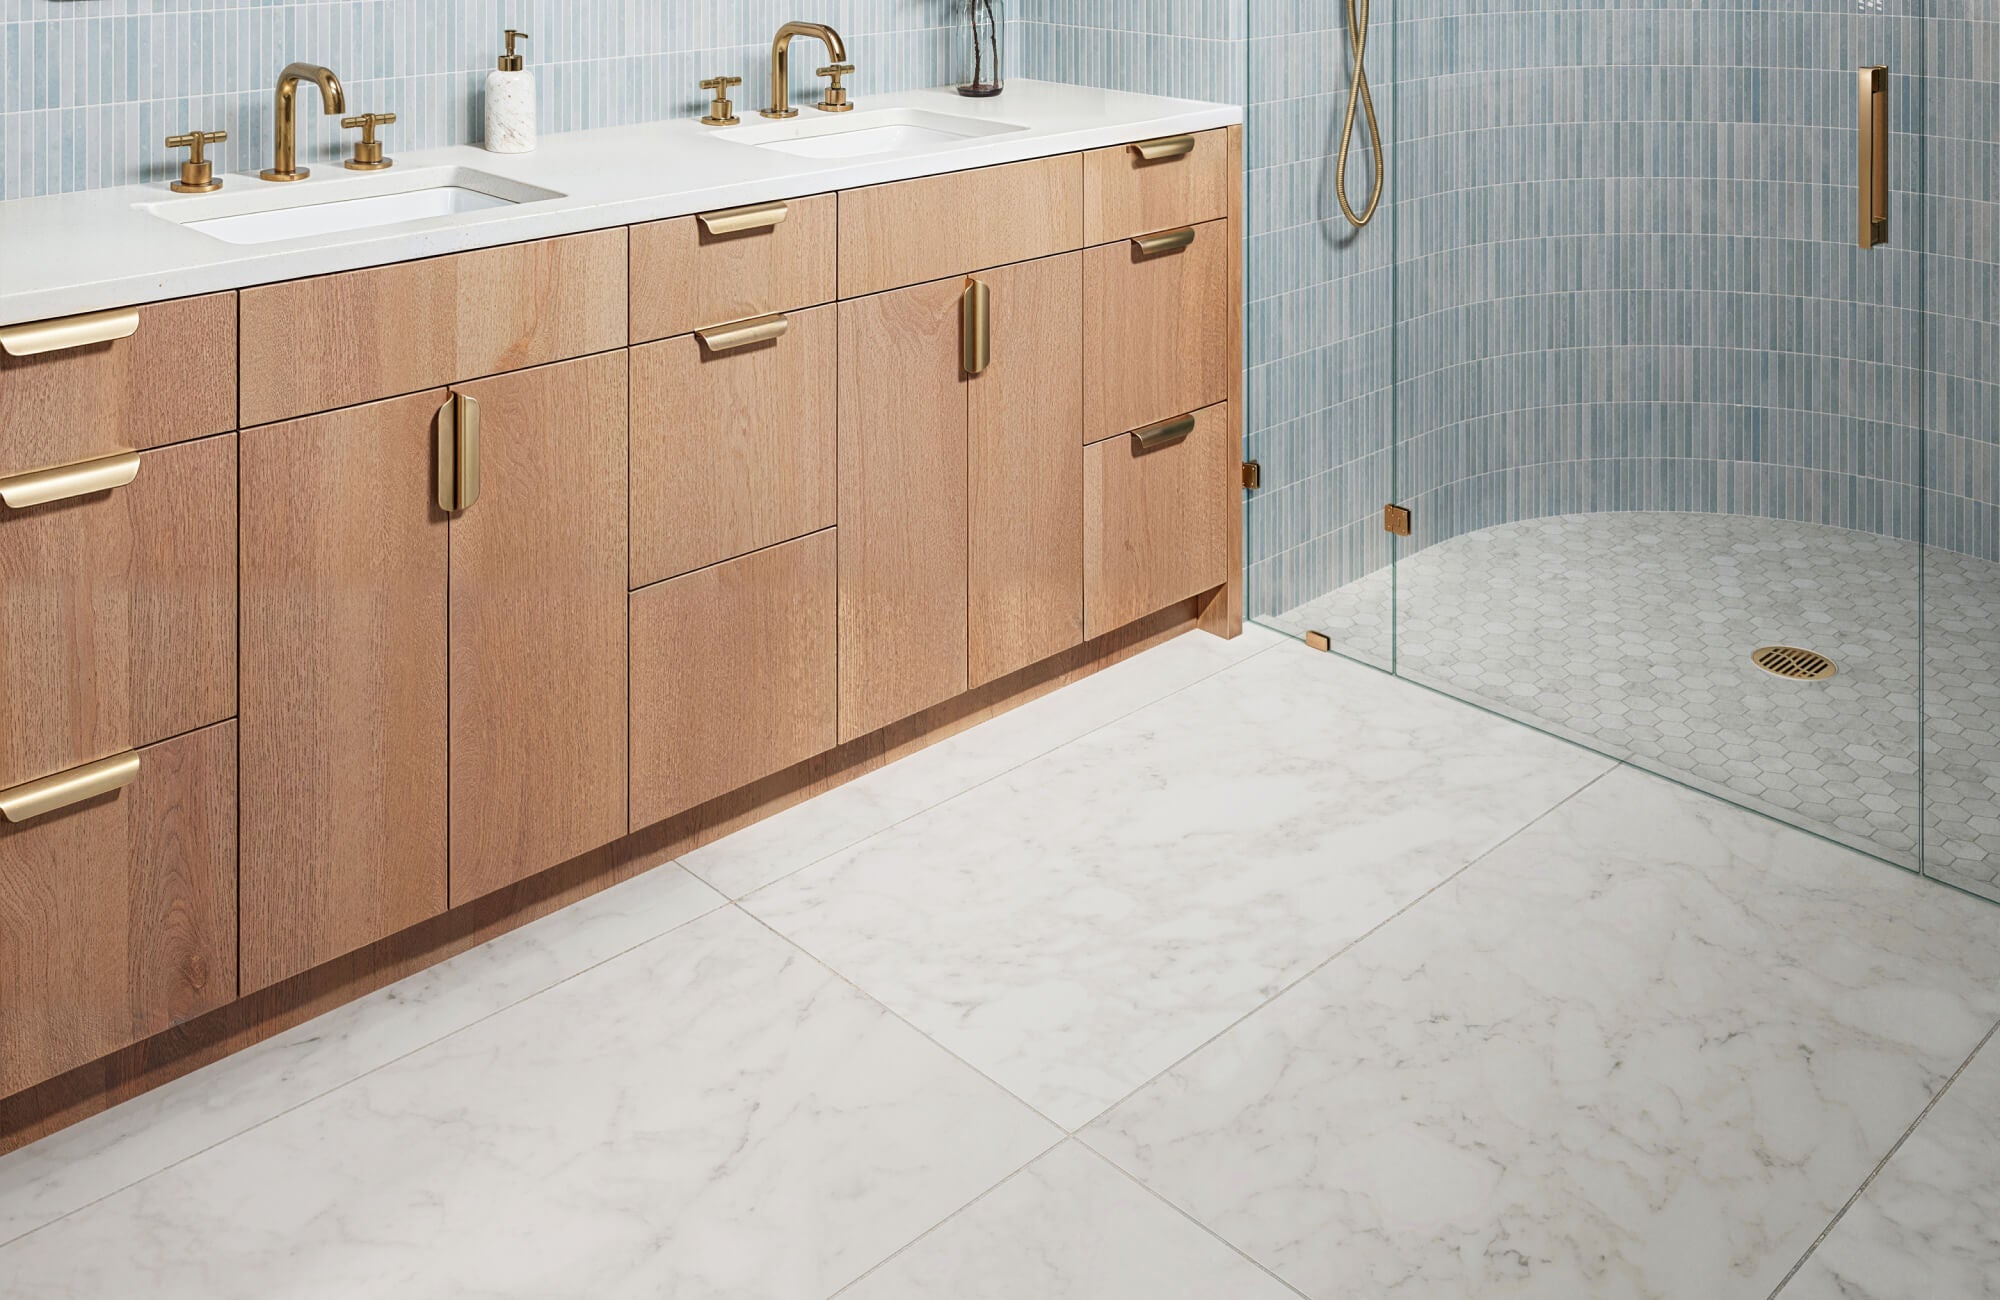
(1790,661)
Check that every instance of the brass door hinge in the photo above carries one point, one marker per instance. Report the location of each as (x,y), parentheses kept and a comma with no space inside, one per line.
(1253,476)
(1397,519)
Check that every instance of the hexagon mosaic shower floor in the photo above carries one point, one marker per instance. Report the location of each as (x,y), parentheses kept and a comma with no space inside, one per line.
(1632,633)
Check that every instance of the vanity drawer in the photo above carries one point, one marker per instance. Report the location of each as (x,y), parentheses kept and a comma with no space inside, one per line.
(158,374)
(1136,189)
(1155,330)
(118,607)
(1155,521)
(733,675)
(724,266)
(732,443)
(911,231)
(339,340)
(118,911)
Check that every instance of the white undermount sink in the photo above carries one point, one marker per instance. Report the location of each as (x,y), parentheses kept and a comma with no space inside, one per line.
(867,133)
(253,213)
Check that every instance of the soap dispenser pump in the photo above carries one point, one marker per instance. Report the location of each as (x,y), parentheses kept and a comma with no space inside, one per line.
(510,102)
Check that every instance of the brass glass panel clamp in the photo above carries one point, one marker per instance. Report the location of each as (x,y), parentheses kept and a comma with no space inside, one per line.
(285,161)
(197,173)
(722,112)
(835,100)
(781,62)
(368,150)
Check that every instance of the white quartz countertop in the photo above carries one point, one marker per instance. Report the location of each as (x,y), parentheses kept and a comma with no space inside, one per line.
(110,248)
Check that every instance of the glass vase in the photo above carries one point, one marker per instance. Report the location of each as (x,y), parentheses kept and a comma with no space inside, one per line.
(985,35)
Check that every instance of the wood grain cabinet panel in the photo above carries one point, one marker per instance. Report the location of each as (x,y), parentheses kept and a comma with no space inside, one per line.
(173,379)
(733,675)
(118,613)
(902,505)
(118,914)
(731,450)
(1156,332)
(910,231)
(538,650)
(1126,195)
(1155,527)
(345,572)
(1025,472)
(339,340)
(686,277)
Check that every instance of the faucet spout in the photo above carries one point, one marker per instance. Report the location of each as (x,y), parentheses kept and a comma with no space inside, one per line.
(781,62)
(333,100)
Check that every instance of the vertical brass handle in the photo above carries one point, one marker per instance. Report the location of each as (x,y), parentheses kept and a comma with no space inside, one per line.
(1872,186)
(458,453)
(976,312)
(22,802)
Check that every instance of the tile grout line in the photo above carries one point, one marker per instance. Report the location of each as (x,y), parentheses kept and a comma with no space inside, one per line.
(383,1065)
(988,780)
(1243,1254)
(1348,947)
(1883,1163)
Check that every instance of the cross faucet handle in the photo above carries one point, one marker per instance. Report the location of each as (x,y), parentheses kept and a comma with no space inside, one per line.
(721,112)
(197,173)
(835,100)
(368,150)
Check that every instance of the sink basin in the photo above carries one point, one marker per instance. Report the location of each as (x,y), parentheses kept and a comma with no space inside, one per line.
(343,204)
(868,134)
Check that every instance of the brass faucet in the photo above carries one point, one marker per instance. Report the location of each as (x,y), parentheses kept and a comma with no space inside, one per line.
(285,166)
(781,62)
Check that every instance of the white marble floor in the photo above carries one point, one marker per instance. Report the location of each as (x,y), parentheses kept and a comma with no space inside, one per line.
(1236,971)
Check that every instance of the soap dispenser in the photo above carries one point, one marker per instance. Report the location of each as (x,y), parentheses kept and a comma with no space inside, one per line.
(510,102)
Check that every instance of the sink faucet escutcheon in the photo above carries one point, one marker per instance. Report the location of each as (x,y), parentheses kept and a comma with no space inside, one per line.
(285,165)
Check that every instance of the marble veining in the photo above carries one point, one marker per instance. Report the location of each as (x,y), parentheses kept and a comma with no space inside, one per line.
(1648,1048)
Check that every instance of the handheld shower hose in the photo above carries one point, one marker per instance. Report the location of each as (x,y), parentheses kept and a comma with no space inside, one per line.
(1358,96)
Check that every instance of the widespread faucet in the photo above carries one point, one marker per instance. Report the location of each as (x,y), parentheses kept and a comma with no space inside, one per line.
(285,166)
(781,62)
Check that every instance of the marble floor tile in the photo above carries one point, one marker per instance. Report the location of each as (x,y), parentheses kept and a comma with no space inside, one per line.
(805,833)
(1077,925)
(96,1157)
(710,1115)
(1929,1225)
(1647,1048)
(1068,1227)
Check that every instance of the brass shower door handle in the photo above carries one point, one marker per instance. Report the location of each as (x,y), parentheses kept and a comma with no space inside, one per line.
(458,453)
(1872,182)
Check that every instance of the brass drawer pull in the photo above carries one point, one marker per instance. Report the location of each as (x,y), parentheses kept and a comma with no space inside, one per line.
(69,332)
(1171,241)
(742,333)
(1165,434)
(733,221)
(976,318)
(64,482)
(458,453)
(33,799)
(1173,146)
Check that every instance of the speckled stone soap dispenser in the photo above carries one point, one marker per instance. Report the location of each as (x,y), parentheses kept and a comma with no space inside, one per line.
(510,102)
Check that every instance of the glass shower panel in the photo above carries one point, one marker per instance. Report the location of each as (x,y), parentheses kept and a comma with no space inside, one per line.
(1657,409)
(1961,326)
(1321,374)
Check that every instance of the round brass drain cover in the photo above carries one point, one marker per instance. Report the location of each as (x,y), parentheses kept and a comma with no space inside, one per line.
(1790,661)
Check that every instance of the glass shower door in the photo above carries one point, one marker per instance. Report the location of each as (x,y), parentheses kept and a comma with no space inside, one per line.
(1657,407)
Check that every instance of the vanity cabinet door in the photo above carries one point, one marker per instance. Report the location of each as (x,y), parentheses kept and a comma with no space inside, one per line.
(538,649)
(901,505)
(1025,471)
(345,562)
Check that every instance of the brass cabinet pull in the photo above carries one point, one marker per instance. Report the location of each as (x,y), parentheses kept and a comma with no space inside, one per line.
(757,216)
(742,333)
(35,798)
(1873,181)
(976,315)
(1170,241)
(1173,146)
(64,482)
(1165,434)
(458,453)
(69,332)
